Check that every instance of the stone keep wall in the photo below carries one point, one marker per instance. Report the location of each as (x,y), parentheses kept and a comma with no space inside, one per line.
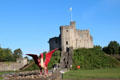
(83,39)
(71,37)
(13,66)
(55,42)
(68,36)
(66,59)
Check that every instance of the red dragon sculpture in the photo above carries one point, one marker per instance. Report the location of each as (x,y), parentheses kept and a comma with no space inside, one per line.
(39,61)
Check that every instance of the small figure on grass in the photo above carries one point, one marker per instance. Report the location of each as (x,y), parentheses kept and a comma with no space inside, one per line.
(78,67)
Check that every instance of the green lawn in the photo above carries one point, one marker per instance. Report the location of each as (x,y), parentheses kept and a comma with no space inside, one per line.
(5,72)
(113,73)
(1,78)
(1,73)
(93,74)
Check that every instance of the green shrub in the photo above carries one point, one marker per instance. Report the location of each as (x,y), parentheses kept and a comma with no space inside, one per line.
(55,59)
(32,67)
(93,58)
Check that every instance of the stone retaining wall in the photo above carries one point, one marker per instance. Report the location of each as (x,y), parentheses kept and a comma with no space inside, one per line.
(13,66)
(10,66)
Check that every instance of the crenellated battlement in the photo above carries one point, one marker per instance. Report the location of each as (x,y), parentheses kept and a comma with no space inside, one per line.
(72,37)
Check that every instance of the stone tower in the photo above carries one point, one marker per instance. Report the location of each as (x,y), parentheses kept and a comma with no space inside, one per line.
(71,37)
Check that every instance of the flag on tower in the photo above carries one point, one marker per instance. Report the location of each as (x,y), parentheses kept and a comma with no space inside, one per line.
(70,9)
(70,13)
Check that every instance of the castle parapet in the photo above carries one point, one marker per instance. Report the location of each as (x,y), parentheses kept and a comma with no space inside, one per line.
(73,24)
(72,37)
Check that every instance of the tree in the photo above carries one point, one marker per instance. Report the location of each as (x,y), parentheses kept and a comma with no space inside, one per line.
(6,54)
(113,47)
(98,47)
(119,50)
(1,54)
(105,49)
(17,53)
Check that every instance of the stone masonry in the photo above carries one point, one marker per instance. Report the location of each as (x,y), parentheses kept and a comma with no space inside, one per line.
(71,37)
(66,59)
(13,66)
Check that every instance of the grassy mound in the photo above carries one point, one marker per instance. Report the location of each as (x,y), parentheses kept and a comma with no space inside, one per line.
(93,58)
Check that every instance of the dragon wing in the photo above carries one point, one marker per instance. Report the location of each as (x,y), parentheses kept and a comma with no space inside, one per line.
(48,56)
(35,57)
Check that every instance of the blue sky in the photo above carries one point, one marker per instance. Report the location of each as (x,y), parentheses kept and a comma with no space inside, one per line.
(28,24)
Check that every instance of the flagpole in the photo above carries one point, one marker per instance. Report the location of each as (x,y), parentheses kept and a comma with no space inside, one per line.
(70,13)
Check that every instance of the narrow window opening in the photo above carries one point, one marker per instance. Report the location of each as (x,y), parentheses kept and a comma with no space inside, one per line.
(56,41)
(67,49)
(66,30)
(66,42)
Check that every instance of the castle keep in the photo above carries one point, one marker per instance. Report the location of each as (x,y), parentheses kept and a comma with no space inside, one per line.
(71,37)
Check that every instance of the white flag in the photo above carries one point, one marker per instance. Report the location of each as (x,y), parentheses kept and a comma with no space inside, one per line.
(70,8)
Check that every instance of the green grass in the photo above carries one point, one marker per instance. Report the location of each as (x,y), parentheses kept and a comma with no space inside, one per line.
(4,72)
(113,73)
(1,78)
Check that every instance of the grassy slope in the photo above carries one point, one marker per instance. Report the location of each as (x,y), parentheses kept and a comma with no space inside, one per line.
(93,58)
(97,73)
